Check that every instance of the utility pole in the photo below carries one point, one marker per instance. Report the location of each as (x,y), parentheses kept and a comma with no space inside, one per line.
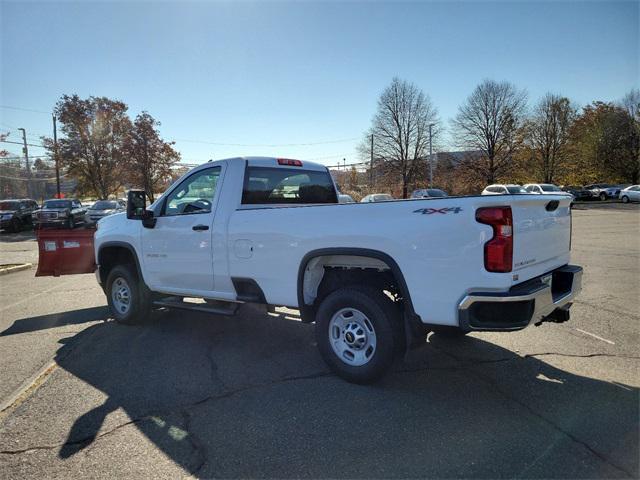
(430,157)
(26,156)
(371,165)
(55,156)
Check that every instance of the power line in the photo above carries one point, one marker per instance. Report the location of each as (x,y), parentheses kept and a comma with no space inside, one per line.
(24,109)
(21,143)
(326,142)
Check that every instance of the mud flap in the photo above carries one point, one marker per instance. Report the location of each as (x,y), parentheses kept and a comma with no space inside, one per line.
(65,252)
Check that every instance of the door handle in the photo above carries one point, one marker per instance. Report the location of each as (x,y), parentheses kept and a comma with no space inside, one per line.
(200,227)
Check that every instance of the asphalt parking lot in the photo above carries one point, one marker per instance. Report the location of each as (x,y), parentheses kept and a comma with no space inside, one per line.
(249,396)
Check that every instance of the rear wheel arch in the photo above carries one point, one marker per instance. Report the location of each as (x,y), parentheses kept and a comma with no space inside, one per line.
(313,277)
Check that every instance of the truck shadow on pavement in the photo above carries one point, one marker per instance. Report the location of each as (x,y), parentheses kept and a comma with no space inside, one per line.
(248,396)
(54,320)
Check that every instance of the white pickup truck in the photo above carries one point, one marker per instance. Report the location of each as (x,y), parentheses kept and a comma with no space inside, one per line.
(374,277)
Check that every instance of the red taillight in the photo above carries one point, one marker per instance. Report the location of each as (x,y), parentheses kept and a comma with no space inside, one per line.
(498,252)
(289,162)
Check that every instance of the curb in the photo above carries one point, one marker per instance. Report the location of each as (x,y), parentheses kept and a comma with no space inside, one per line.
(15,268)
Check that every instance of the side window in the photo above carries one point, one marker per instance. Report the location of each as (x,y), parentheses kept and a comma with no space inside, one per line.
(263,185)
(194,195)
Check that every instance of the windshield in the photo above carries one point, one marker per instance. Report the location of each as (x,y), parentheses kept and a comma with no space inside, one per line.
(382,197)
(550,188)
(104,205)
(434,192)
(516,189)
(9,205)
(57,204)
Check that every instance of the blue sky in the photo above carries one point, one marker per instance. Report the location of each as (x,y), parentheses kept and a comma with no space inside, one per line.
(299,73)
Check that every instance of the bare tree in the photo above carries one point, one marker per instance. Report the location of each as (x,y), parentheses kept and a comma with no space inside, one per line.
(488,122)
(547,133)
(401,131)
(150,159)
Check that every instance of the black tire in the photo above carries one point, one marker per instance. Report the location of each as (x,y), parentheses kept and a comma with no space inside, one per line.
(603,196)
(383,318)
(139,305)
(625,199)
(71,224)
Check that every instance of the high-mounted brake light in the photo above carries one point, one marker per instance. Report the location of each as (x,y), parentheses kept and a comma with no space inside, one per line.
(289,162)
(498,252)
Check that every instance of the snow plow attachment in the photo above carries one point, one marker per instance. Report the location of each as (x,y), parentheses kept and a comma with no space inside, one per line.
(65,252)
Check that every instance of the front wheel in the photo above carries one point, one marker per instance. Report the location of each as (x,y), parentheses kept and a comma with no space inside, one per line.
(358,332)
(71,223)
(603,196)
(128,298)
(625,199)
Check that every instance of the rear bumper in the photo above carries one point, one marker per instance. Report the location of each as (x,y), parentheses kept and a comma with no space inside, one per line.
(544,298)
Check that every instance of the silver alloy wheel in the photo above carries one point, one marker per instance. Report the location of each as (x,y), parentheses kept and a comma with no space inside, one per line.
(352,337)
(121,295)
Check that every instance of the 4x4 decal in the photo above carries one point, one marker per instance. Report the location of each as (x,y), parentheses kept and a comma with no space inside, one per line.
(444,211)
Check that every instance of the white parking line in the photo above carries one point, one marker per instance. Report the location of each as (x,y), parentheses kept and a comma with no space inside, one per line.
(595,336)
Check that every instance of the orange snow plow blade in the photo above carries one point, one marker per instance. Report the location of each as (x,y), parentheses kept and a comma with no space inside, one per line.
(65,252)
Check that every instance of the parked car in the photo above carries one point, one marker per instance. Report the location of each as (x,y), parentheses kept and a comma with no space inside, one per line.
(14,214)
(630,194)
(376,197)
(60,213)
(101,209)
(579,193)
(604,191)
(429,193)
(544,189)
(506,189)
(374,279)
(344,198)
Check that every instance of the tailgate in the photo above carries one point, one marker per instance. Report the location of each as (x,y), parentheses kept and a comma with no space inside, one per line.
(542,230)
(65,252)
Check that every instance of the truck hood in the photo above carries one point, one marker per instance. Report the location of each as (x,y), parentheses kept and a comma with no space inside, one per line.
(101,212)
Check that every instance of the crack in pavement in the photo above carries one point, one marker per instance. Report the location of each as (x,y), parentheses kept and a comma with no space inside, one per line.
(196,444)
(534,413)
(470,361)
(178,408)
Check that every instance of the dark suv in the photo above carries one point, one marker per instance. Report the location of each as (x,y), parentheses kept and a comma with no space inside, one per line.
(60,213)
(14,214)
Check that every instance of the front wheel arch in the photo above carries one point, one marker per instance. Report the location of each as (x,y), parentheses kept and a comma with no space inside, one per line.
(112,254)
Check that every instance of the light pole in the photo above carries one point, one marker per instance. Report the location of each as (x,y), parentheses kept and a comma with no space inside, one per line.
(430,157)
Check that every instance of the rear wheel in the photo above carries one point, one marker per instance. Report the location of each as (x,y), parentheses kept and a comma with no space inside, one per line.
(358,332)
(129,298)
(625,199)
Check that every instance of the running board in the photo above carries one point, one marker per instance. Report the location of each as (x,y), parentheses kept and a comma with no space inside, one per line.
(177,302)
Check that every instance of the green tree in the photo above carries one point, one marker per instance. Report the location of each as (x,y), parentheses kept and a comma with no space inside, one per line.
(604,144)
(150,159)
(92,146)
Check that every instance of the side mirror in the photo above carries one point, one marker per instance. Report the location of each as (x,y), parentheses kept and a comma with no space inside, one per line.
(136,204)
(148,219)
